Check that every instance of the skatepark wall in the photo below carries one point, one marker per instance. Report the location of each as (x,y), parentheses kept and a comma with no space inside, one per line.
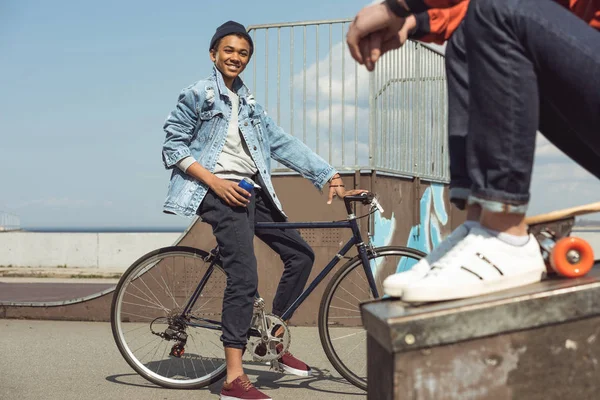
(94,250)
(416,214)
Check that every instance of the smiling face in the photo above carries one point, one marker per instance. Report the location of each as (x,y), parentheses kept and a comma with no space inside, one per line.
(231,56)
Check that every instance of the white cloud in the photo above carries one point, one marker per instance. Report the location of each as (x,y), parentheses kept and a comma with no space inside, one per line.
(336,116)
(354,77)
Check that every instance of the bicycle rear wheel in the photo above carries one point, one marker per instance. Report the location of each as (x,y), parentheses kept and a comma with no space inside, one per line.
(147,324)
(340,326)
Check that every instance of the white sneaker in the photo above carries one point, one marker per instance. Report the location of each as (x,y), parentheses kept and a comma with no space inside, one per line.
(394,284)
(481,263)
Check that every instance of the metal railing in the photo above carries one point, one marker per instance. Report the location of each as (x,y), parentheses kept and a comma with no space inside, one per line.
(9,222)
(408,103)
(391,120)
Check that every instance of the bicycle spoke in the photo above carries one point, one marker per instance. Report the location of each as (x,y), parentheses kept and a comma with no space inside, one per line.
(345,309)
(137,315)
(201,362)
(149,300)
(141,347)
(351,351)
(170,293)
(152,293)
(368,293)
(137,329)
(340,324)
(156,351)
(357,299)
(351,334)
(142,305)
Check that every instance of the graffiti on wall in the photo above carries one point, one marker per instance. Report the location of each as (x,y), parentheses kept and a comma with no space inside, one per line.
(425,236)
(428,234)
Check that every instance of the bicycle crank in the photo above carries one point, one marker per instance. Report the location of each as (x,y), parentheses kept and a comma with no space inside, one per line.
(274,340)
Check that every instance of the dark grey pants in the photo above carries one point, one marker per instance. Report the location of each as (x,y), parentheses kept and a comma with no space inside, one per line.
(234,229)
(515,67)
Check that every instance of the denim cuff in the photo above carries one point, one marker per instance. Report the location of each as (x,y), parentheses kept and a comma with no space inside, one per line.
(324,177)
(416,6)
(423,27)
(498,206)
(459,193)
(234,345)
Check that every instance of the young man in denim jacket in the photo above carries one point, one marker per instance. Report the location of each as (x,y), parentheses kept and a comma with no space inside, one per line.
(217,136)
(514,67)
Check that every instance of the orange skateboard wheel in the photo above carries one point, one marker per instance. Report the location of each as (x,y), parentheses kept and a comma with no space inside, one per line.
(572,257)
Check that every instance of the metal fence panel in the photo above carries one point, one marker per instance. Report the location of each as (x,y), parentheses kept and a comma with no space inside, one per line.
(9,222)
(391,120)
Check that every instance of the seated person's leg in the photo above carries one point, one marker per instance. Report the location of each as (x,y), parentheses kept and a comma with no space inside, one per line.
(460,183)
(233,228)
(512,46)
(297,258)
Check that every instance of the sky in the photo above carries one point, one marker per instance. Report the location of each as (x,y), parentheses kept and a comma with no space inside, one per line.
(85,88)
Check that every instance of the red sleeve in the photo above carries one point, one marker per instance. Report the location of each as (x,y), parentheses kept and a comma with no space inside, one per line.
(437,25)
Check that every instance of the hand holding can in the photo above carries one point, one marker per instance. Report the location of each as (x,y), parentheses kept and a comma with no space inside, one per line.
(247,185)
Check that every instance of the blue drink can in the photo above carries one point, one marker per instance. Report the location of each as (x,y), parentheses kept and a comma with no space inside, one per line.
(247,185)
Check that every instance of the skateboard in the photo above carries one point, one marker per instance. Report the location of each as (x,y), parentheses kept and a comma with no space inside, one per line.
(565,255)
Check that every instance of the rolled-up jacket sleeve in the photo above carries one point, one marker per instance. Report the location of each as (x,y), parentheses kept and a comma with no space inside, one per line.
(180,127)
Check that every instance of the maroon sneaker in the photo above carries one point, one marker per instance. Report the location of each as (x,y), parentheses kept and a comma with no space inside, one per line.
(291,364)
(241,389)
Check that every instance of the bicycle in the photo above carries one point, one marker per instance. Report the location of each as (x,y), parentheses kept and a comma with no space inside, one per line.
(167,326)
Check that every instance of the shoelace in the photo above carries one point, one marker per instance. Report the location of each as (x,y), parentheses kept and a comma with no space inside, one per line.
(443,249)
(246,385)
(447,260)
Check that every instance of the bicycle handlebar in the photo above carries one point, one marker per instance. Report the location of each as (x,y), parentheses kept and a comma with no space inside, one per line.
(365,198)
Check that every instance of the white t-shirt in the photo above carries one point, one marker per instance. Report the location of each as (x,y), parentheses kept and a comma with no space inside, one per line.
(234,161)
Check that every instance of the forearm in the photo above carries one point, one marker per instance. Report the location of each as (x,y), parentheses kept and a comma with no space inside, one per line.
(191,167)
(304,161)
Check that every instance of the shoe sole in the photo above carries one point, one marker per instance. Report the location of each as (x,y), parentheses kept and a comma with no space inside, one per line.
(425,294)
(395,290)
(294,371)
(392,292)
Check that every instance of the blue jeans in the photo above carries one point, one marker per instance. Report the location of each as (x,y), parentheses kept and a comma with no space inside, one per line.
(515,67)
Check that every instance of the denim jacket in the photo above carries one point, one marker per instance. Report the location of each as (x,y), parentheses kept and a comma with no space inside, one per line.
(198,127)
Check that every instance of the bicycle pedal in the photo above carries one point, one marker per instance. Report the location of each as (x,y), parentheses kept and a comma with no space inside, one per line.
(276,366)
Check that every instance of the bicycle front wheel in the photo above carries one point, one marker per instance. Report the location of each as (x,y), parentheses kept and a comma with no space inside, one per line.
(340,326)
(161,342)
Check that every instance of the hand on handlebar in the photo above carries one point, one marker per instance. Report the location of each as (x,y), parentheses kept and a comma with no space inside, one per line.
(336,188)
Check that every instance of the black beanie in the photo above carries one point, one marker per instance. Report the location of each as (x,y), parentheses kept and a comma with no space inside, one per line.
(228,28)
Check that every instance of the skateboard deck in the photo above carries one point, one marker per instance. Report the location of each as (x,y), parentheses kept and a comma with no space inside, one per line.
(567,213)
(565,255)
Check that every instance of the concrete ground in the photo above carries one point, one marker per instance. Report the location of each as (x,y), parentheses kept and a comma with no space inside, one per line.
(79,360)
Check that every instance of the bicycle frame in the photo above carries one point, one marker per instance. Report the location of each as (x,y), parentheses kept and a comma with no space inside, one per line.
(355,240)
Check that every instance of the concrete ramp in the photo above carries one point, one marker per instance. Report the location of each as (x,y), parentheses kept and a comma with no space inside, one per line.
(539,341)
(94,306)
